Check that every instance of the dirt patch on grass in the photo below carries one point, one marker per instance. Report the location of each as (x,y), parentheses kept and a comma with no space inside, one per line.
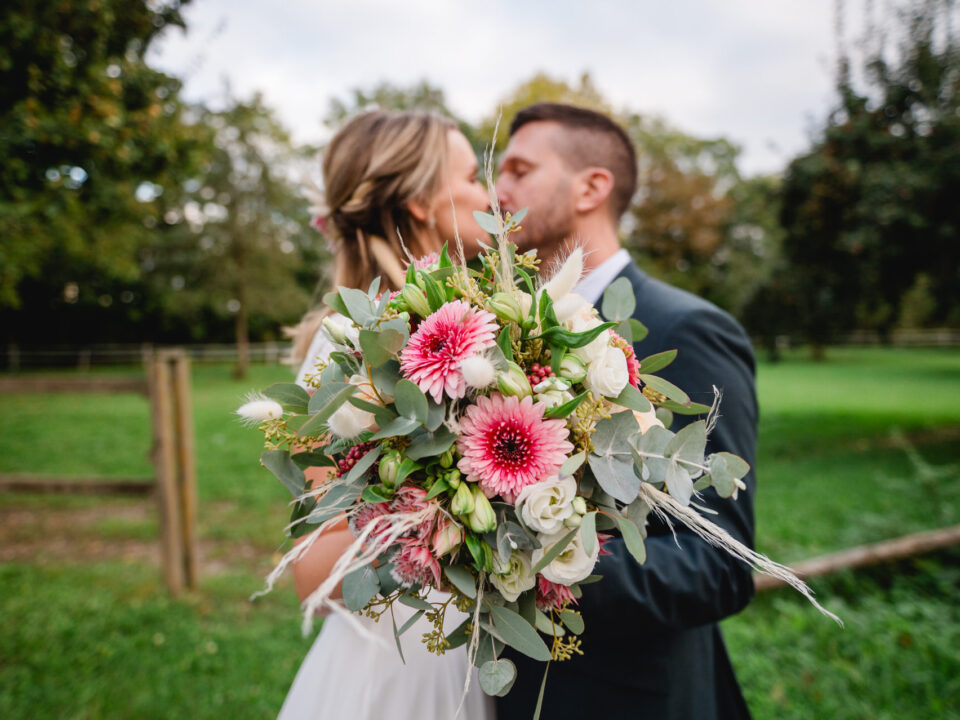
(124,531)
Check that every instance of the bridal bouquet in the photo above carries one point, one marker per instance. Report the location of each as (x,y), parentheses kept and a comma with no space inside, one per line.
(484,431)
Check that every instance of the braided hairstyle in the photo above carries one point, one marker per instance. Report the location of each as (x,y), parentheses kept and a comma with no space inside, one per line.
(373,167)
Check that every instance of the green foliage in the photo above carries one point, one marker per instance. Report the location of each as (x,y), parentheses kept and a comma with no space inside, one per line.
(871,207)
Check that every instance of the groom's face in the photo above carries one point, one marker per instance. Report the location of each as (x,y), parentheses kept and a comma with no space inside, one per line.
(534,175)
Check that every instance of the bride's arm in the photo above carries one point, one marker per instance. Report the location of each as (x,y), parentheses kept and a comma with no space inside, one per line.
(315,565)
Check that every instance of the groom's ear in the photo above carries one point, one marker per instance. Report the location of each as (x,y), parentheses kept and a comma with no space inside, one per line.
(594,186)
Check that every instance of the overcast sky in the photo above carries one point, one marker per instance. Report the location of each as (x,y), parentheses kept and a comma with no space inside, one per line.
(756,71)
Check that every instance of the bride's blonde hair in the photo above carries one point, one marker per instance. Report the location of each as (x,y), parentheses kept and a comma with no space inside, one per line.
(372,169)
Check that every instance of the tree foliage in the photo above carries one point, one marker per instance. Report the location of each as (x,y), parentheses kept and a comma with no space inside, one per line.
(870,213)
(85,122)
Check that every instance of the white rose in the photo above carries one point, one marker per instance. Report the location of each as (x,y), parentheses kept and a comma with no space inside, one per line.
(592,350)
(545,505)
(513,577)
(608,374)
(572,565)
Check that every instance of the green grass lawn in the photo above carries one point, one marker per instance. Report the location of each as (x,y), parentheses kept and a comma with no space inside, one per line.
(89,632)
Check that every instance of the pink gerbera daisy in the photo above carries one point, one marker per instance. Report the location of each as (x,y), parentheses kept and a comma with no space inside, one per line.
(506,444)
(445,339)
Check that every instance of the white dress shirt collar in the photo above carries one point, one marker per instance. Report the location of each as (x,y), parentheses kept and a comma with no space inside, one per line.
(592,285)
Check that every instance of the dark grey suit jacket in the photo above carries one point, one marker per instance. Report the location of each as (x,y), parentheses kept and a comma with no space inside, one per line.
(652,647)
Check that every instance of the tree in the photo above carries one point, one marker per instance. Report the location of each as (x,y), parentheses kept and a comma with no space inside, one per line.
(872,206)
(237,243)
(84,123)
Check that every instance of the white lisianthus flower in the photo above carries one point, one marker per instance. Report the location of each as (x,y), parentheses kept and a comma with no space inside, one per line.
(594,349)
(478,372)
(545,505)
(607,374)
(259,408)
(513,577)
(647,420)
(572,565)
(348,420)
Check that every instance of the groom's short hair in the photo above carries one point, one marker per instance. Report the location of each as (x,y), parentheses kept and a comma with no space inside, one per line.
(591,140)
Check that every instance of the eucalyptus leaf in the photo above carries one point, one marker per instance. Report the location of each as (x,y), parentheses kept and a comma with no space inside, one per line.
(572,620)
(316,424)
(313,458)
(655,363)
(486,221)
(385,377)
(665,388)
(388,583)
(410,622)
(335,501)
(572,464)
(462,579)
(398,427)
(362,466)
(632,399)
(285,469)
(510,537)
(689,443)
(414,601)
(497,676)
(435,416)
(545,625)
(359,587)
(518,633)
(588,532)
(333,301)
(638,330)
(553,551)
(459,635)
(379,346)
(612,459)
(358,305)
(323,395)
(619,300)
(430,444)
(679,484)
(691,409)
(290,395)
(633,539)
(410,401)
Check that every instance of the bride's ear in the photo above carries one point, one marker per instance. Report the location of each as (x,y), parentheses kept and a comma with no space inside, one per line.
(594,187)
(419,210)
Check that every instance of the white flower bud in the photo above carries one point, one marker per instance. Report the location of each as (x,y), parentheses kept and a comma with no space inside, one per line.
(334,330)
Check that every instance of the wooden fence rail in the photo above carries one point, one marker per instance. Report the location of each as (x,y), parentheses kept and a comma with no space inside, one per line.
(864,555)
(167,386)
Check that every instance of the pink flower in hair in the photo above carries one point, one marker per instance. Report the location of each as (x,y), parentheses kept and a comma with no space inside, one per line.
(443,340)
(506,444)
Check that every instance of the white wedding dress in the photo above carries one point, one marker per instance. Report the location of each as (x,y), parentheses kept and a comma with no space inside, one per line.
(354,675)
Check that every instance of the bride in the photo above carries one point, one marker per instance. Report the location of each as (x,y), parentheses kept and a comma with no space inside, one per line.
(393,181)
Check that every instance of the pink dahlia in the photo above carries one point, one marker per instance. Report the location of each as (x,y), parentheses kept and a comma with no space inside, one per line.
(551,595)
(414,564)
(445,339)
(506,444)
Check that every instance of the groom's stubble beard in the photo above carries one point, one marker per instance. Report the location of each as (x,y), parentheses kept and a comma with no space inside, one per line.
(548,224)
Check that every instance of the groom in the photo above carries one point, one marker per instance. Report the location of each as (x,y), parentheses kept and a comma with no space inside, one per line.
(652,646)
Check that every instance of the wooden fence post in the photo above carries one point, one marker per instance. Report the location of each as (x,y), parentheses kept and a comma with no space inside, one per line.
(165,459)
(187,471)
